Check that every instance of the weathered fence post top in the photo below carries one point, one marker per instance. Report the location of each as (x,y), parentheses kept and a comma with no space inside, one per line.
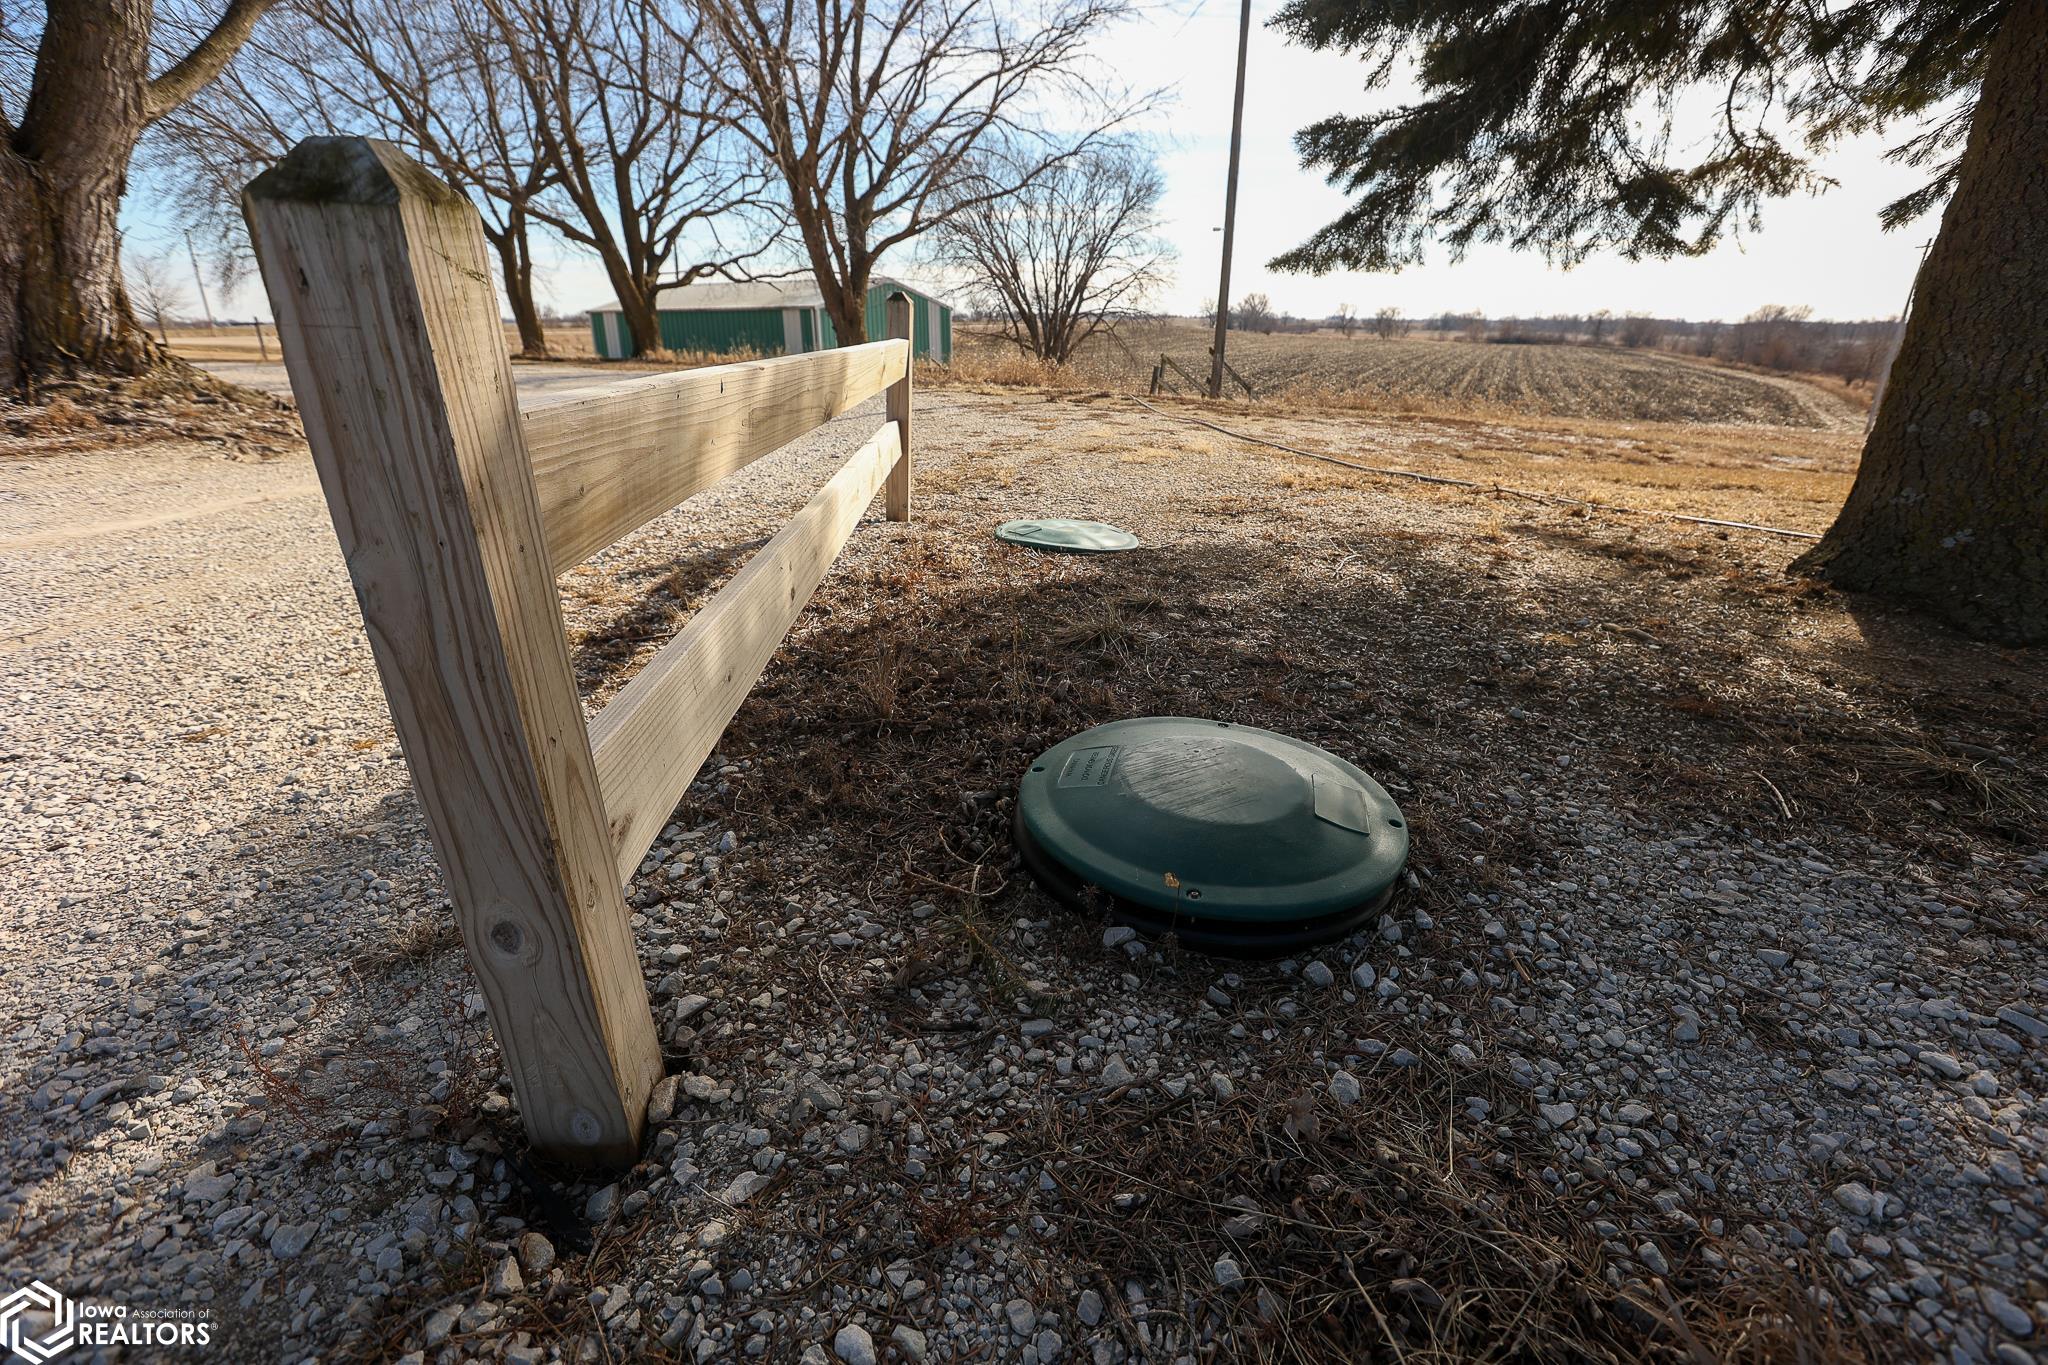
(455,510)
(350,170)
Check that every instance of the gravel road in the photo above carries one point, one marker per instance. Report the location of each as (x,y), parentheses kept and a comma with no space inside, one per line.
(247,1074)
(216,870)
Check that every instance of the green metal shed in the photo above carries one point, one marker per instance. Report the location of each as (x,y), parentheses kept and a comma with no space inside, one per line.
(770,317)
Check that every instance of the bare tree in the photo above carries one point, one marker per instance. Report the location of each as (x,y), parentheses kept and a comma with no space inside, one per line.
(642,136)
(432,79)
(1254,313)
(1639,331)
(1347,320)
(101,73)
(1596,325)
(443,80)
(1388,323)
(871,113)
(153,283)
(1780,337)
(1075,246)
(590,118)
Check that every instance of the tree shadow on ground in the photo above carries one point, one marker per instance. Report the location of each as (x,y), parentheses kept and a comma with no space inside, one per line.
(1680,697)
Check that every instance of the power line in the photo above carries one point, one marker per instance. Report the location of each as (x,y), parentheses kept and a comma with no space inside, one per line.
(200,280)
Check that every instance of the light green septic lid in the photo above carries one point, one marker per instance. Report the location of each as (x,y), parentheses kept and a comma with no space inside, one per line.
(1074,537)
(1203,819)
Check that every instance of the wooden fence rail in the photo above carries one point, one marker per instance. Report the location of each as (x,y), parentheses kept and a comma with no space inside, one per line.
(456,510)
(1230,371)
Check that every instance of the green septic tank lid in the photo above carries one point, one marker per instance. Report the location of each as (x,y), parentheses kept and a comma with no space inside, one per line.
(1073,537)
(1237,839)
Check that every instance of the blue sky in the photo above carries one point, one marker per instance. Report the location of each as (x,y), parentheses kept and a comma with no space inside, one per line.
(1826,252)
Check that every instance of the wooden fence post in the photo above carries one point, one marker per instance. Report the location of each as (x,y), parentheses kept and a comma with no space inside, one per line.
(380,284)
(896,494)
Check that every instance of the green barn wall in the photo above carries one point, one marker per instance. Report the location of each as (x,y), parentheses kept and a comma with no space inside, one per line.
(751,329)
(878,311)
(760,329)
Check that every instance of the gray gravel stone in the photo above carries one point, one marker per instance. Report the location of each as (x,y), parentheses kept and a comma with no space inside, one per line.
(536,1253)
(853,1345)
(661,1102)
(290,1240)
(2009,1315)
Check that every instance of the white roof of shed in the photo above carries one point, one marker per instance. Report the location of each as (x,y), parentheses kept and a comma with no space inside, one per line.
(707,296)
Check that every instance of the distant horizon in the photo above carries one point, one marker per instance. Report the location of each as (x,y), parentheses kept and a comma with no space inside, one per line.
(558,317)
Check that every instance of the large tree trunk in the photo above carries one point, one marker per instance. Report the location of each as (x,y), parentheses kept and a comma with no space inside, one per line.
(848,305)
(642,321)
(62,304)
(515,258)
(846,299)
(1949,512)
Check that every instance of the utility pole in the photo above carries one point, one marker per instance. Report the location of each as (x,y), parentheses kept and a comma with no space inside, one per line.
(1244,37)
(200,280)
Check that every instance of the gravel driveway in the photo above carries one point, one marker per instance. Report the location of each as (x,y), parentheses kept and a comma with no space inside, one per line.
(1713,1009)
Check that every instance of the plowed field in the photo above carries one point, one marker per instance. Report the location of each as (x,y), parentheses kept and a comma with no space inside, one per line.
(1425,374)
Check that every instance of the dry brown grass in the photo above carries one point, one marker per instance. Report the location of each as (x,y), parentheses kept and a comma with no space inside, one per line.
(60,416)
(691,360)
(1855,395)
(1002,367)
(1400,1228)
(1790,477)
(176,401)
